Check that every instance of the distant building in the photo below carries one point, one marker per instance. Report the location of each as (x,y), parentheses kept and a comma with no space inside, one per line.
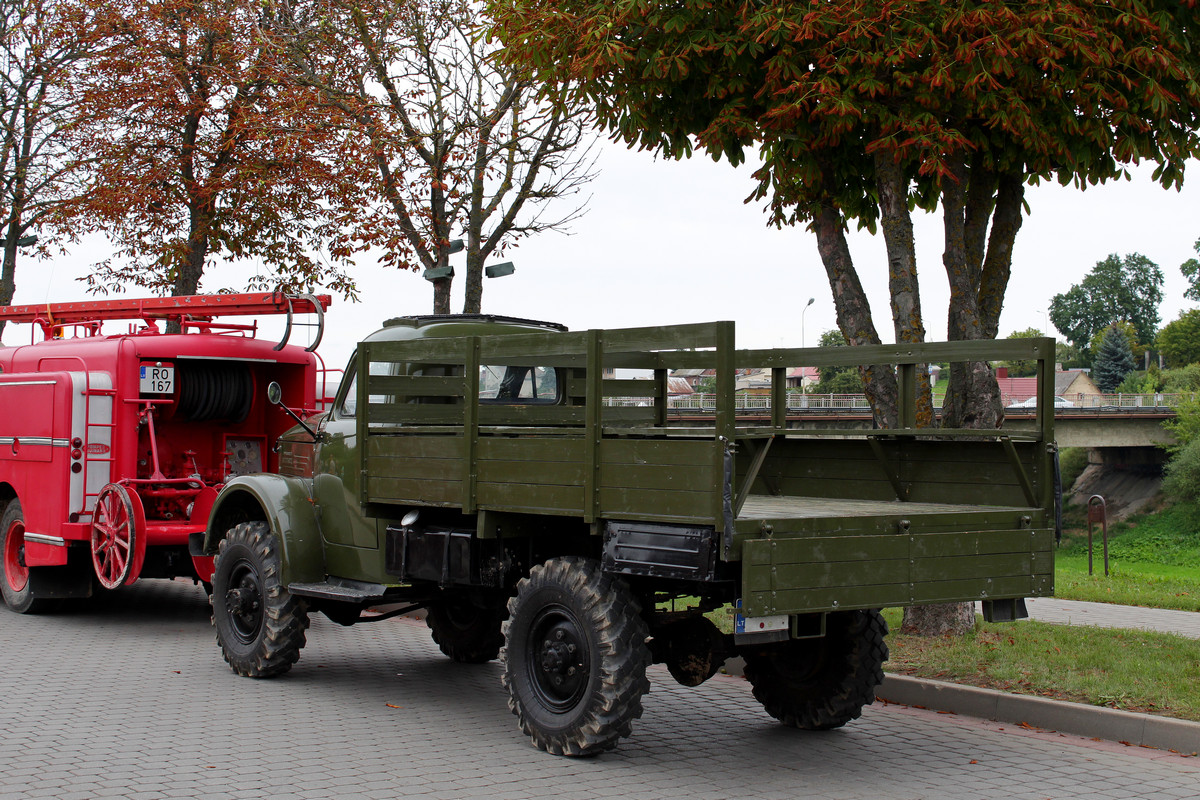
(1073,385)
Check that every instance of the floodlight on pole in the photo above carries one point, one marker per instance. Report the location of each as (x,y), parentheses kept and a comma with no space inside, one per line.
(499,270)
(437,273)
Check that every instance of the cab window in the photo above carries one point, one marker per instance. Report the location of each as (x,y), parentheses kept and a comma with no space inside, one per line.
(518,385)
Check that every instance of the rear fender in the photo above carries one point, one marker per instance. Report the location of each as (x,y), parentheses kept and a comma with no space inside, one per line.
(286,505)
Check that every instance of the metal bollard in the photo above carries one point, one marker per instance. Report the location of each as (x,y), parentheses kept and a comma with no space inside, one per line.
(1097,512)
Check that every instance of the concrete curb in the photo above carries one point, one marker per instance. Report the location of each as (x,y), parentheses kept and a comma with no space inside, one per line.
(1112,724)
(1165,733)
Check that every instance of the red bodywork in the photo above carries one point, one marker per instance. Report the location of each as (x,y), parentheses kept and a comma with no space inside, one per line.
(94,417)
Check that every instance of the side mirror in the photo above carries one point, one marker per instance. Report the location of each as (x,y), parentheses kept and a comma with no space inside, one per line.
(275,396)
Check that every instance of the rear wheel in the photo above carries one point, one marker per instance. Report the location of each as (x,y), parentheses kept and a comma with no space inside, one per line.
(818,684)
(15,582)
(468,629)
(260,625)
(575,657)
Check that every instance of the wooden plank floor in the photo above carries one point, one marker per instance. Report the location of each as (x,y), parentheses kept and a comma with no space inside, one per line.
(792,507)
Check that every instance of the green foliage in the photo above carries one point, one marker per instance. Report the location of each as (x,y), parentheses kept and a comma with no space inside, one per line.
(1169,537)
(845,382)
(1179,341)
(1116,290)
(1181,477)
(834,379)
(1191,271)
(822,87)
(1114,360)
(1184,379)
(1072,461)
(1139,383)
(1022,369)
(1139,351)
(1068,355)
(1186,425)
(832,338)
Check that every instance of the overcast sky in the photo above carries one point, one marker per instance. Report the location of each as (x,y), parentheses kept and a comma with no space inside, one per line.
(672,242)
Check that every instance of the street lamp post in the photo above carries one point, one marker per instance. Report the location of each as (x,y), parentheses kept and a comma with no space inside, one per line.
(802,313)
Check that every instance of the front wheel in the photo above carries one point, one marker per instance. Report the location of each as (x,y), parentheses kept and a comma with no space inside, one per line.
(575,657)
(15,579)
(260,625)
(818,684)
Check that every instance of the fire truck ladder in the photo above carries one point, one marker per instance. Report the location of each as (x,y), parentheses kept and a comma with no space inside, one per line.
(87,457)
(315,305)
(197,310)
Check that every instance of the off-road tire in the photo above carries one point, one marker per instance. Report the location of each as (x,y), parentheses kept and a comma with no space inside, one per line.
(260,625)
(16,580)
(469,632)
(572,623)
(818,684)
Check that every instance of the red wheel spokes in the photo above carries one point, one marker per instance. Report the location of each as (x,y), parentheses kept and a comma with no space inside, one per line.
(113,536)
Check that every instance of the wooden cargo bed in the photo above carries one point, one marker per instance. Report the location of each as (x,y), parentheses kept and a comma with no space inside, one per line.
(766,507)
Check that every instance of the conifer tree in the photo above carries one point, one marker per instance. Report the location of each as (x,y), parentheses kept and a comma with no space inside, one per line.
(1114,360)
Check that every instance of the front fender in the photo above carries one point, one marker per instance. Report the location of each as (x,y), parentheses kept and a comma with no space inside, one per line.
(286,504)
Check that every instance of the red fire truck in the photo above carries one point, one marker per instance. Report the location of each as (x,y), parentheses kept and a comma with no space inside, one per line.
(113,447)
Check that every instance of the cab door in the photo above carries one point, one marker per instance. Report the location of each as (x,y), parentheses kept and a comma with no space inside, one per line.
(337,484)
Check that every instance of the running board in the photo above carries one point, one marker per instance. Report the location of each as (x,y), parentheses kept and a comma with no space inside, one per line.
(343,590)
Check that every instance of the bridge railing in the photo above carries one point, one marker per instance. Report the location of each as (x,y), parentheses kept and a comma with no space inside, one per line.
(801,402)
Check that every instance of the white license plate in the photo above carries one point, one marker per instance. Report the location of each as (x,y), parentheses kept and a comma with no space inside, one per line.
(775,622)
(157,380)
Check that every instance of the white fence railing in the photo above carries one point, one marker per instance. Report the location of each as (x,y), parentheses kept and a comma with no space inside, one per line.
(797,401)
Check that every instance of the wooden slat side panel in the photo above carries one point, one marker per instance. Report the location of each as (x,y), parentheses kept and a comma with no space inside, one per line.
(404,491)
(948,471)
(417,385)
(531,471)
(657,451)
(419,468)
(556,449)
(815,573)
(414,447)
(551,499)
(671,478)
(650,503)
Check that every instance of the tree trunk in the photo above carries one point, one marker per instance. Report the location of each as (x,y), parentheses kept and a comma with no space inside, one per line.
(972,398)
(940,619)
(8,286)
(996,268)
(473,289)
(441,295)
(854,312)
(896,222)
(191,266)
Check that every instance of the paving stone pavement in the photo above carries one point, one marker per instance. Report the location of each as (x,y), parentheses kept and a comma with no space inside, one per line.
(130,698)
(1107,615)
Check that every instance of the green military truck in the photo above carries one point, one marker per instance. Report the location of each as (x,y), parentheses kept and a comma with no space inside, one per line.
(540,504)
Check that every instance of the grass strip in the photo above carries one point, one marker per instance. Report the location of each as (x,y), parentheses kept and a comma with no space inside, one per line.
(1156,673)
(1128,583)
